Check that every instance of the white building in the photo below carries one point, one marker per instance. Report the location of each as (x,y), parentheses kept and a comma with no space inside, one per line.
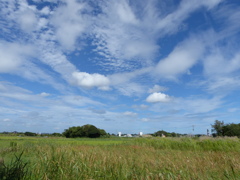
(119,134)
(129,135)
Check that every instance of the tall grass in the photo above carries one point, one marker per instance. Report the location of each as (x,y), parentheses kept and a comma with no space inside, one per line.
(136,158)
(192,144)
(15,170)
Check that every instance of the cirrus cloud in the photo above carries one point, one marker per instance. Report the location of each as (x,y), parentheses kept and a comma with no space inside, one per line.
(157,88)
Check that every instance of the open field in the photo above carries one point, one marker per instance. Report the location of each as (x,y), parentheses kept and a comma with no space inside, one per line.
(120,158)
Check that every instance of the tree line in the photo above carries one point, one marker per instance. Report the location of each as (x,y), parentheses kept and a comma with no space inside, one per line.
(167,134)
(87,130)
(219,128)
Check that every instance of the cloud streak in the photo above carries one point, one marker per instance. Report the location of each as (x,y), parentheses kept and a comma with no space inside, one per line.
(98,62)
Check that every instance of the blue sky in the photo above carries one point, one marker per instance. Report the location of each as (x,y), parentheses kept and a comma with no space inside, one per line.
(124,66)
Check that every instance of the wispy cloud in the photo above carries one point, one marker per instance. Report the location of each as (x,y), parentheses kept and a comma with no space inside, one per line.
(105,60)
(157,88)
(70,22)
(13,56)
(181,59)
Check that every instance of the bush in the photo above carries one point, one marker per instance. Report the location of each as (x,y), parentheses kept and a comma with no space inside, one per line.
(30,134)
(16,170)
(83,131)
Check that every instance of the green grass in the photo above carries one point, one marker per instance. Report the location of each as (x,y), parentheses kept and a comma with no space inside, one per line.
(123,158)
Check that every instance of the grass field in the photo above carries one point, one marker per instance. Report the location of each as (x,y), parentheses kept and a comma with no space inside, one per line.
(119,158)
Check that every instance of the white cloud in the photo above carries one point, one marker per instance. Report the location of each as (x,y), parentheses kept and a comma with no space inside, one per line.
(128,113)
(231,110)
(56,60)
(127,83)
(122,38)
(126,40)
(130,89)
(145,119)
(98,111)
(215,64)
(44,94)
(180,106)
(222,85)
(69,22)
(172,22)
(158,97)
(181,59)
(125,13)
(157,88)
(87,80)
(19,98)
(128,37)
(140,107)
(201,105)
(78,100)
(13,55)
(45,10)
(27,20)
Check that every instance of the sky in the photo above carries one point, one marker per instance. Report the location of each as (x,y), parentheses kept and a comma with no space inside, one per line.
(125,66)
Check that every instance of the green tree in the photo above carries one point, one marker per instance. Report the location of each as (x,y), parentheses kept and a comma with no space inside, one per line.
(103,133)
(30,134)
(56,134)
(231,130)
(93,132)
(87,130)
(217,128)
(160,133)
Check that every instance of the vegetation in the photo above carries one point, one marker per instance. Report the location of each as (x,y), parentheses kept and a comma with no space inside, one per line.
(16,170)
(218,129)
(166,134)
(121,158)
(221,129)
(27,156)
(30,134)
(84,131)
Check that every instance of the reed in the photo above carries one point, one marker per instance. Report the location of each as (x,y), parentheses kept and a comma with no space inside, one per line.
(134,158)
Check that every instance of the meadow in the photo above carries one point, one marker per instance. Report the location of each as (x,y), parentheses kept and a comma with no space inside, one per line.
(119,158)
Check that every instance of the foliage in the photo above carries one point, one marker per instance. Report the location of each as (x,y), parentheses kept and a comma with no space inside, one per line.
(83,131)
(167,134)
(217,128)
(56,134)
(221,129)
(103,133)
(231,130)
(30,134)
(16,170)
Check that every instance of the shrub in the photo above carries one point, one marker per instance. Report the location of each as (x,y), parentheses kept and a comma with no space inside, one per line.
(16,170)
(82,131)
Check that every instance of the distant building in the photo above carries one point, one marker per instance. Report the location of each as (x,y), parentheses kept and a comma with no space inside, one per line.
(141,134)
(119,134)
